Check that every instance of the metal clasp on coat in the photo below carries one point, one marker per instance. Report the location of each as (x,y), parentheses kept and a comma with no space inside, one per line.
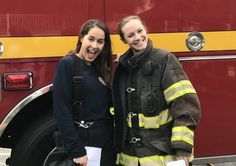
(78,103)
(131,119)
(134,140)
(131,114)
(130,89)
(84,124)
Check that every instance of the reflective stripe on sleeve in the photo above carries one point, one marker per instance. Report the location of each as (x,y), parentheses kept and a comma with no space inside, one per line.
(182,133)
(178,89)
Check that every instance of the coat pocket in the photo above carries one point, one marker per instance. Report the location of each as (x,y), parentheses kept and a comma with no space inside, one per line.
(163,145)
(149,103)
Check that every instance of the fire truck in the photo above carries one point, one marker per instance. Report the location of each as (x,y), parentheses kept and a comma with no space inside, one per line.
(34,35)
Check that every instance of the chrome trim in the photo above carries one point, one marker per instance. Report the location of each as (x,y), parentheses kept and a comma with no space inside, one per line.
(215,159)
(1,48)
(21,105)
(195,41)
(53,150)
(197,58)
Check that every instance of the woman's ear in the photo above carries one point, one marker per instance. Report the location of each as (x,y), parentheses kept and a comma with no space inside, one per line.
(81,39)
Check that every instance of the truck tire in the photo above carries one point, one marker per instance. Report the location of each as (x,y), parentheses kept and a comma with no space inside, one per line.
(34,144)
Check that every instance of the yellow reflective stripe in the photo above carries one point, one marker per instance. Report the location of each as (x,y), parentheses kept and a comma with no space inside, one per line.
(178,89)
(112,111)
(155,121)
(129,120)
(191,158)
(182,133)
(129,123)
(117,158)
(156,160)
(126,160)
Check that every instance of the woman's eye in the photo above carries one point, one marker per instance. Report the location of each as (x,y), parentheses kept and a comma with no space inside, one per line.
(91,39)
(100,41)
(130,35)
(140,30)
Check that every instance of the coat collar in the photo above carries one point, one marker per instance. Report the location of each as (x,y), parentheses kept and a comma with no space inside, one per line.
(131,60)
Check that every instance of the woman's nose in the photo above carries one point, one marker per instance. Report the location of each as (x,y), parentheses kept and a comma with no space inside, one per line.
(137,37)
(94,45)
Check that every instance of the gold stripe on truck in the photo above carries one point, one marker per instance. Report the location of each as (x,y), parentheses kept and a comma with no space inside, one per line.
(28,47)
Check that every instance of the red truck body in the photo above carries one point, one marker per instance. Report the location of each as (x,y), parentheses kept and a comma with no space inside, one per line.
(34,35)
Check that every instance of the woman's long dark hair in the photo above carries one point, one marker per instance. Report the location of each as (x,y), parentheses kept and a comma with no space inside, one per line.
(103,62)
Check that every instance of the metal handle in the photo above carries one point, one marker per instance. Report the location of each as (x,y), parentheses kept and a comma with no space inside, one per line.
(1,48)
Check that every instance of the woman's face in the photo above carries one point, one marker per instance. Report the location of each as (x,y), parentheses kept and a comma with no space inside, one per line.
(92,44)
(135,35)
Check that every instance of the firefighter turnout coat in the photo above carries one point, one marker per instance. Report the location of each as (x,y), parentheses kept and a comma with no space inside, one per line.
(156,108)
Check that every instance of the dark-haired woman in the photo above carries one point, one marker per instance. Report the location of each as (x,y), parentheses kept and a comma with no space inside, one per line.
(81,95)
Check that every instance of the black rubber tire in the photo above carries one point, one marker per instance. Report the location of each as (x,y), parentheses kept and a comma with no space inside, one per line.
(35,143)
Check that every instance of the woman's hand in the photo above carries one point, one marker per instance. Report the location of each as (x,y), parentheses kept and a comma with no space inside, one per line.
(182,155)
(185,158)
(81,161)
(117,57)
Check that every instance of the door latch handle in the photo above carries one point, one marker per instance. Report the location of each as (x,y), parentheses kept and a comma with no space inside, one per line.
(1,48)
